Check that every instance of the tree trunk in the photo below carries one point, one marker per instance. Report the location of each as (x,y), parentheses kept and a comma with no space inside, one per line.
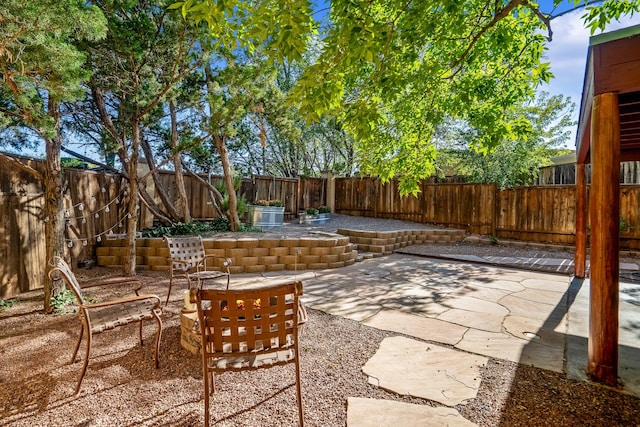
(53,205)
(234,220)
(177,163)
(160,190)
(129,266)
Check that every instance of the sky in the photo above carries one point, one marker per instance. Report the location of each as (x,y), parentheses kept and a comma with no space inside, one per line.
(568,53)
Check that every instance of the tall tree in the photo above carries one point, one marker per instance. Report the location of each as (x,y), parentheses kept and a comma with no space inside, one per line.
(277,141)
(233,91)
(395,69)
(513,161)
(148,51)
(41,67)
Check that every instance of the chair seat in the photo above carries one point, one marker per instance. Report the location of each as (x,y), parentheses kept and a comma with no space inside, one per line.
(253,362)
(205,275)
(105,318)
(105,315)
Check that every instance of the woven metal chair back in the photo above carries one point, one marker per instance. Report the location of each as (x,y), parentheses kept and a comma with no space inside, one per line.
(247,329)
(248,323)
(186,249)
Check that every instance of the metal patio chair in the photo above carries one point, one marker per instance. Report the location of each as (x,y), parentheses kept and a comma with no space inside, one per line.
(248,329)
(188,260)
(102,316)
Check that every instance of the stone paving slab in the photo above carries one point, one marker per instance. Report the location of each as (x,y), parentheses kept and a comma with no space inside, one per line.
(503,346)
(363,412)
(472,319)
(353,308)
(416,326)
(429,371)
(629,335)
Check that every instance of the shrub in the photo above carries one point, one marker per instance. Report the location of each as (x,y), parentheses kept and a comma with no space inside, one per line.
(62,300)
(216,225)
(262,202)
(312,211)
(324,209)
(4,304)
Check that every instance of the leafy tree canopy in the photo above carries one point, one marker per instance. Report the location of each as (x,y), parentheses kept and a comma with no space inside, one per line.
(38,54)
(394,69)
(513,161)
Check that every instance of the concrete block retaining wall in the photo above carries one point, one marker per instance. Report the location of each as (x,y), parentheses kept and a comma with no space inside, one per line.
(256,255)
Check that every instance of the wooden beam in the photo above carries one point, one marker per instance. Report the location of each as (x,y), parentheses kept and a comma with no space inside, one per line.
(580,259)
(605,232)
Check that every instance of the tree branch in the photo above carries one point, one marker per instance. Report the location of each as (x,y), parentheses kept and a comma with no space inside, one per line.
(213,191)
(503,13)
(545,19)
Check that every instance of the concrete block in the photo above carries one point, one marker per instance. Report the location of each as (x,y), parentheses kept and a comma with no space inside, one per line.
(224,243)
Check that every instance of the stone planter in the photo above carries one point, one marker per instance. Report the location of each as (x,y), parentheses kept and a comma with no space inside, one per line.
(306,218)
(266,217)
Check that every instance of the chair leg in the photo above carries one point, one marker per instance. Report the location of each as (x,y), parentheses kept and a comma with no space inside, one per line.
(169,293)
(206,397)
(86,362)
(75,351)
(140,331)
(299,391)
(158,336)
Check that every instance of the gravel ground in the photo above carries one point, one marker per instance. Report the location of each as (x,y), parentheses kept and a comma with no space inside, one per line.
(122,387)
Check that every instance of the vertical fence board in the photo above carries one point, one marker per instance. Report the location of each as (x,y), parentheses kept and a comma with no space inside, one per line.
(539,213)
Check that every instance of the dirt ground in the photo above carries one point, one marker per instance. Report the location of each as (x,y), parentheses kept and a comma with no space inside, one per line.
(123,388)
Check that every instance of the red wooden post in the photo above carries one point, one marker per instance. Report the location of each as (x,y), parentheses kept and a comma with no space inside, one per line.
(580,258)
(605,230)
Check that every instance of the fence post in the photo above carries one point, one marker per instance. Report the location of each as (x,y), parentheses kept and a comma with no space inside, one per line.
(330,194)
(298,196)
(495,214)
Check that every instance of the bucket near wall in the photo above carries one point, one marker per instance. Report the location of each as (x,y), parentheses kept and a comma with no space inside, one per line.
(266,217)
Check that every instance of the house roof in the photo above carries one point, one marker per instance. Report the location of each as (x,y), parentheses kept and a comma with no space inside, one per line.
(613,66)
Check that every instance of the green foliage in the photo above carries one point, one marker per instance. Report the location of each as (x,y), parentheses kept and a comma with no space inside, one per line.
(217,225)
(202,228)
(597,17)
(4,304)
(511,162)
(62,300)
(262,202)
(280,27)
(393,71)
(623,224)
(312,211)
(324,209)
(39,58)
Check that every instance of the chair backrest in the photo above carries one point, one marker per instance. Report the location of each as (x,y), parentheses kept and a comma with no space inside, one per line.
(58,265)
(186,249)
(249,323)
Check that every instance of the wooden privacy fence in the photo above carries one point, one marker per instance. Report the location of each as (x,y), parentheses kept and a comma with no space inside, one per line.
(296,194)
(95,211)
(537,214)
